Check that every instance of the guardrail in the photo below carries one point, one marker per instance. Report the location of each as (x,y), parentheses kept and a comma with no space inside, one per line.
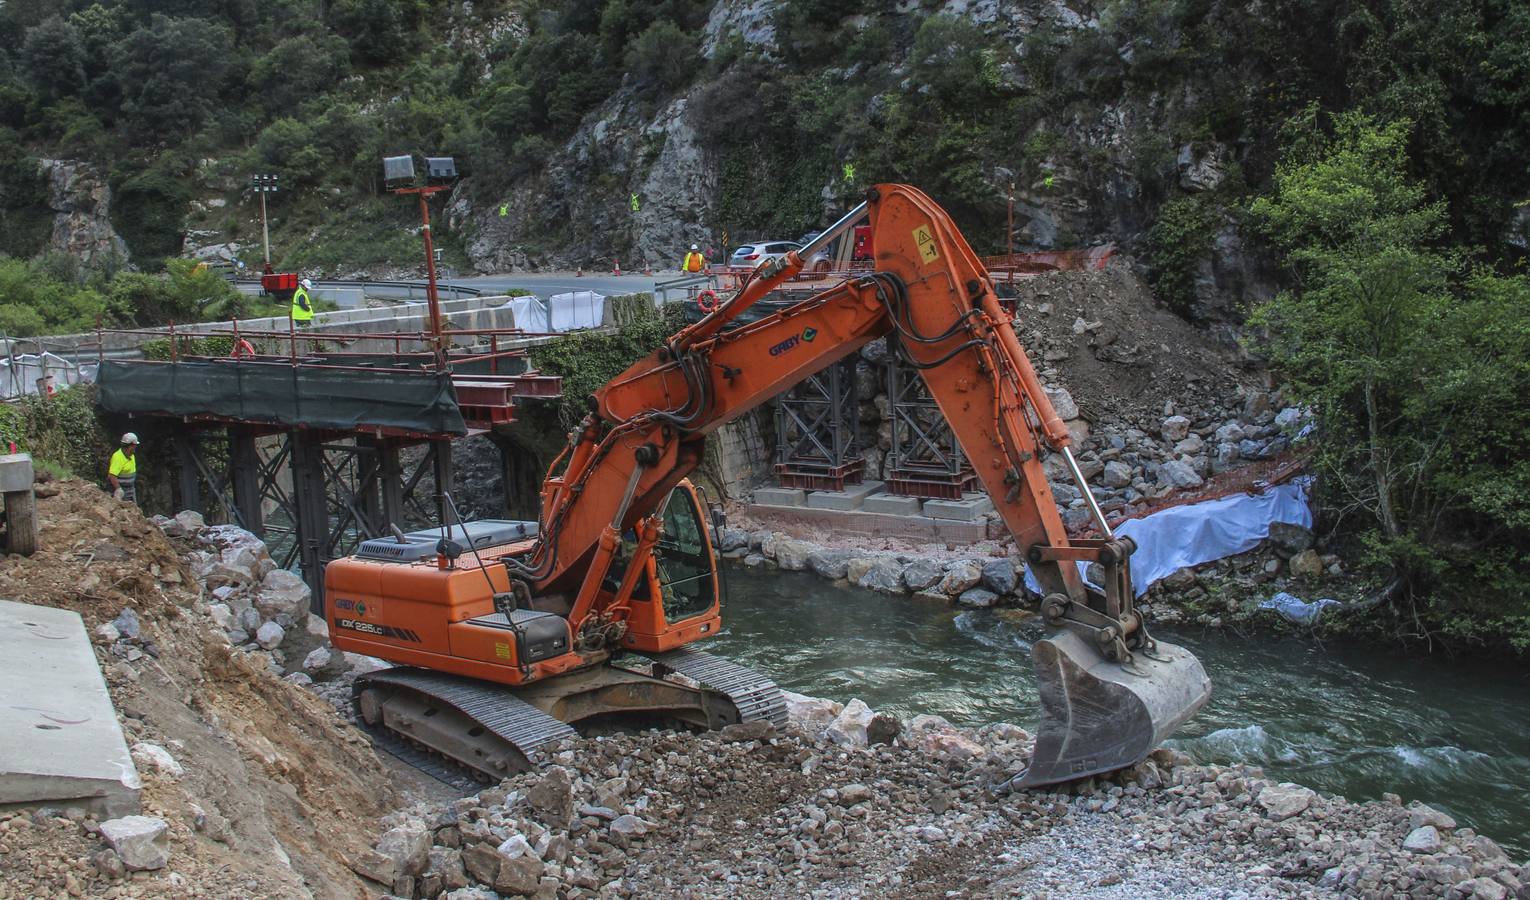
(457,291)
(686,284)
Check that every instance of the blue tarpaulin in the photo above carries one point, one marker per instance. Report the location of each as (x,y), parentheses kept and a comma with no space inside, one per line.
(1180,536)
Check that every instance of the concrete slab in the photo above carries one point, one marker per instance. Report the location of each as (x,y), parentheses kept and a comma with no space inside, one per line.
(849,498)
(968,509)
(891,504)
(60,744)
(15,472)
(780,496)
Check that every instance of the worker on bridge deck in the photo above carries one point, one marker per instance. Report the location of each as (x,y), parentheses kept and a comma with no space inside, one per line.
(694,261)
(302,304)
(122,471)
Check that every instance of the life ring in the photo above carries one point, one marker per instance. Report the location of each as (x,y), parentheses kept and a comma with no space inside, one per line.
(243,350)
(708,301)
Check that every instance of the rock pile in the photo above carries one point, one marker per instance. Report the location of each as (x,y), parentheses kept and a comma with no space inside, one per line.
(849,803)
(970,581)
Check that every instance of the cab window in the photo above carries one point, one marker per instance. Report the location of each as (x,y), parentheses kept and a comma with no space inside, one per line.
(685,562)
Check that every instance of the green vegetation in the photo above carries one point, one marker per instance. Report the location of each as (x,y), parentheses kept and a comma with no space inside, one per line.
(1418,365)
(62,432)
(587,360)
(55,296)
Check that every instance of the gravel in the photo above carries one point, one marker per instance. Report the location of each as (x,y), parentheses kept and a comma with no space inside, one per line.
(760,814)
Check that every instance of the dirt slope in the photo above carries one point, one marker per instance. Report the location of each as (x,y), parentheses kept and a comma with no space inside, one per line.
(276,786)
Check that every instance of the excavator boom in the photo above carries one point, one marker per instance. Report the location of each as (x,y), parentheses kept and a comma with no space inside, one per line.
(619,561)
(1110,691)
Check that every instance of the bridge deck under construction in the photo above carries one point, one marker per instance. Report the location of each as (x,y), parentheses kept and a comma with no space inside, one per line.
(298,441)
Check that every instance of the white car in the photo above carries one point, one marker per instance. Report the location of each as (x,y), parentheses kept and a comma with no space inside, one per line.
(751,255)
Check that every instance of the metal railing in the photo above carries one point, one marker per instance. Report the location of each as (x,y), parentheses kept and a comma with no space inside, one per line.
(457,291)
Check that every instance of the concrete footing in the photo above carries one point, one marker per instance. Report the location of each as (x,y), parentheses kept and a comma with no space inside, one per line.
(852,497)
(60,744)
(891,504)
(970,508)
(780,496)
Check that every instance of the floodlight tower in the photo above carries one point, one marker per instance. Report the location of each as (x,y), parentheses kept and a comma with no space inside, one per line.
(399,176)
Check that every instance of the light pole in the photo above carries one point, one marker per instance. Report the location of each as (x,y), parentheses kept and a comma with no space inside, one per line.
(1011,230)
(398,174)
(263,185)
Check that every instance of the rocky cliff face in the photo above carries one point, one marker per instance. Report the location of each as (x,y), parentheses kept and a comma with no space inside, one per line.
(577,211)
(1081,175)
(81,202)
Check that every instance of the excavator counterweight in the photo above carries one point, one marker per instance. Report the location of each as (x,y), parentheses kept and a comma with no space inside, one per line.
(523,642)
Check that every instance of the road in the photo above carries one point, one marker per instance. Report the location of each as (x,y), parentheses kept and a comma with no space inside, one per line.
(545,284)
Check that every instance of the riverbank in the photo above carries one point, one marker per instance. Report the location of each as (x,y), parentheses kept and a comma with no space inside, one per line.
(849,803)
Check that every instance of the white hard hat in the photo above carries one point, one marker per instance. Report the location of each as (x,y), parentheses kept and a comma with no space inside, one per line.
(694,247)
(306,283)
(130,438)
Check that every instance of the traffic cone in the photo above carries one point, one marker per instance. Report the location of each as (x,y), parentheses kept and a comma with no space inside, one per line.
(616,267)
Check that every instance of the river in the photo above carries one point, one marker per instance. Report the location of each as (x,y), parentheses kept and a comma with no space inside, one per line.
(1343,719)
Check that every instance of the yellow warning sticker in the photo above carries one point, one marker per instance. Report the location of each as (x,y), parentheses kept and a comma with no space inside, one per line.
(502,651)
(926,241)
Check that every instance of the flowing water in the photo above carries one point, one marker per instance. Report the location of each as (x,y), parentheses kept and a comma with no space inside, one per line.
(1342,719)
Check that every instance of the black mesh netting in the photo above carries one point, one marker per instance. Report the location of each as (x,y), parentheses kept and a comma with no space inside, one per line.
(307,396)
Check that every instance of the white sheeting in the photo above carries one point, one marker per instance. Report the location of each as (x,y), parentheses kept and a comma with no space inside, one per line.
(530,314)
(19,374)
(575,310)
(1180,536)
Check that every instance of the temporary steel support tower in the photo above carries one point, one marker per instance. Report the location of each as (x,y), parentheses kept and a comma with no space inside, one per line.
(818,432)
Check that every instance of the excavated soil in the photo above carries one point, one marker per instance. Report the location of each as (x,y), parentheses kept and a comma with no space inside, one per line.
(277,787)
(1122,354)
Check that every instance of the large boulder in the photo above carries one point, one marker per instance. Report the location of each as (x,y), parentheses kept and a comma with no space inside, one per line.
(281,592)
(811,714)
(1284,800)
(963,575)
(792,554)
(1287,540)
(732,539)
(921,574)
(552,798)
(999,576)
(830,563)
(153,757)
(1307,564)
(408,846)
(270,636)
(1062,403)
(977,598)
(1180,474)
(849,728)
(142,842)
(1117,474)
(885,575)
(1175,428)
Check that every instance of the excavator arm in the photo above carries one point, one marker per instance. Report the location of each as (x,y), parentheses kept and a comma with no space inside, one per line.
(1109,691)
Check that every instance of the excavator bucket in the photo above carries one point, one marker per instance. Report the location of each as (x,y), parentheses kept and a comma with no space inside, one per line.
(1098,716)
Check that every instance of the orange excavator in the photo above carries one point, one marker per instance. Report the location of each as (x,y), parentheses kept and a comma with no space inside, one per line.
(509,634)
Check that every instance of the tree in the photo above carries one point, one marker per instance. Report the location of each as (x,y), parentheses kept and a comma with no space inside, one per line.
(170,73)
(54,57)
(1418,376)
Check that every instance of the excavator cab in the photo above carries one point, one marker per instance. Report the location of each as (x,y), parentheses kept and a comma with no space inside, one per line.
(682,575)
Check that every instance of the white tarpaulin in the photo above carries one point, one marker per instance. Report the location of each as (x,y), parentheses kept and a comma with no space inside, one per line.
(575,310)
(530,314)
(20,375)
(1180,536)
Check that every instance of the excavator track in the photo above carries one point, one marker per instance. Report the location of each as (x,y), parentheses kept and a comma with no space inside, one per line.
(425,717)
(756,697)
(443,712)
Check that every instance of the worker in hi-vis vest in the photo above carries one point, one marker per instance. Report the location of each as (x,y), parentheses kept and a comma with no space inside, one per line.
(122,471)
(302,304)
(694,261)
